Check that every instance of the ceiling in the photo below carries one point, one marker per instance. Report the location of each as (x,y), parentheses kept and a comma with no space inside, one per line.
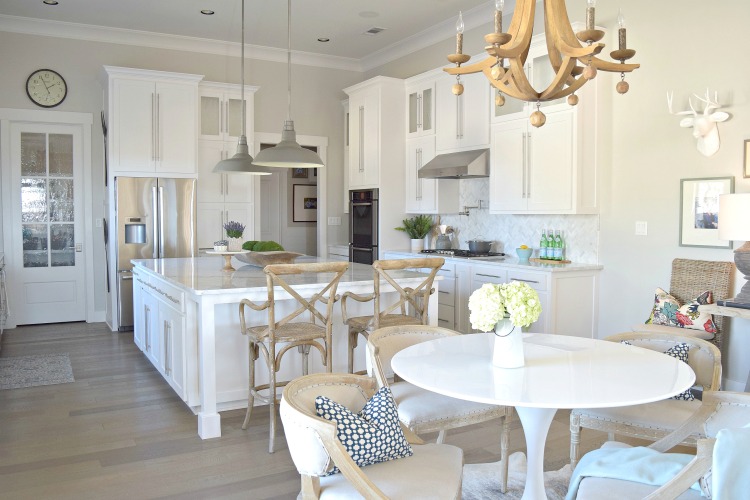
(344,22)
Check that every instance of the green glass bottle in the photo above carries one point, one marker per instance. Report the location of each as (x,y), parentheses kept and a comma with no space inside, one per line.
(557,245)
(543,247)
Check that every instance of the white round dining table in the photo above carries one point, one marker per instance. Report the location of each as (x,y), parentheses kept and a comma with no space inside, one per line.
(560,372)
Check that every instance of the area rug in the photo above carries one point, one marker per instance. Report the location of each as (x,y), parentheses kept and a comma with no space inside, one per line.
(482,481)
(38,369)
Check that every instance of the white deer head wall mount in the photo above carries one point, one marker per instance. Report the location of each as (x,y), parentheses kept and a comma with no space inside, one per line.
(703,124)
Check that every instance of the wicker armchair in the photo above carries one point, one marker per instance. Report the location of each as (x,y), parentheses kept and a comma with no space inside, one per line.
(655,420)
(719,414)
(689,279)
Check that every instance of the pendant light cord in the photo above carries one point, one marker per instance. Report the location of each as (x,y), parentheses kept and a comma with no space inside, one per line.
(289,59)
(242,68)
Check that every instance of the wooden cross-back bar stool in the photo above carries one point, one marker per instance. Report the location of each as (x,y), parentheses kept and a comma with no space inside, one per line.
(410,306)
(315,332)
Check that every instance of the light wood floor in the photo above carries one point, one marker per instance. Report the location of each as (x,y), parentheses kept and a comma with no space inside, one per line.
(119,431)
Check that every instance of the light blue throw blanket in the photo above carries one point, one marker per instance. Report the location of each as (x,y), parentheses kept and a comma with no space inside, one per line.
(639,464)
(731,462)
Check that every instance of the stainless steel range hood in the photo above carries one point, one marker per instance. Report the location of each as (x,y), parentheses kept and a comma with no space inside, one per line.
(462,165)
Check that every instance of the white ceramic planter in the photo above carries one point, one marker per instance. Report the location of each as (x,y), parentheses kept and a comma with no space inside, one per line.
(508,349)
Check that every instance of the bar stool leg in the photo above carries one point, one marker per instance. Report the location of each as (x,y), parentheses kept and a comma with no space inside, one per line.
(305,351)
(250,384)
(352,345)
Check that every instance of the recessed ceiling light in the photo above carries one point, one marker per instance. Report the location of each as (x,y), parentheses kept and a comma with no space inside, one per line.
(324,39)
(50,2)
(207,12)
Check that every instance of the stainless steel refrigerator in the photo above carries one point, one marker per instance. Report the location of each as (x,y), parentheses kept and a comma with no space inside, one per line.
(155,219)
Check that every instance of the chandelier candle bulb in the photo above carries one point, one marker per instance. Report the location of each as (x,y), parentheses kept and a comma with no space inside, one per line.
(590,13)
(621,31)
(460,33)
(499,4)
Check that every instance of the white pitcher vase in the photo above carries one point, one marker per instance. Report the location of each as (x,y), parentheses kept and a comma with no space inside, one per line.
(508,349)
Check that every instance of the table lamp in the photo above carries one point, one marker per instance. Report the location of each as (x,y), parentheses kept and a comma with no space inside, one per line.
(734,224)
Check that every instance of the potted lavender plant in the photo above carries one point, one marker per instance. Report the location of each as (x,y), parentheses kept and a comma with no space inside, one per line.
(234,231)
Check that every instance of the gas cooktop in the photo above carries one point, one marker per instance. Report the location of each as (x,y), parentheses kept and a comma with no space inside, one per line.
(466,254)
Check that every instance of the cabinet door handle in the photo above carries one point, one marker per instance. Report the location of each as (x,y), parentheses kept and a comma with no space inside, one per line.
(166,347)
(147,322)
(521,279)
(420,108)
(157,140)
(523,165)
(361,138)
(153,126)
(528,165)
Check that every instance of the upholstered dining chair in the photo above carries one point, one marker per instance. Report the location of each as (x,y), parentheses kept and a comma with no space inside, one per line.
(688,280)
(425,411)
(409,307)
(433,471)
(719,466)
(315,332)
(655,420)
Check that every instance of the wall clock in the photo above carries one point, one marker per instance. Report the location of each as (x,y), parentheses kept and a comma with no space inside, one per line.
(46,88)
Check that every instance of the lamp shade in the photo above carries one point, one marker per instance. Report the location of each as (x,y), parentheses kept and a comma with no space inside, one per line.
(734,217)
(288,153)
(241,162)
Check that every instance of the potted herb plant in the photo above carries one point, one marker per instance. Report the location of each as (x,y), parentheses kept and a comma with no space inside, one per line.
(417,228)
(234,231)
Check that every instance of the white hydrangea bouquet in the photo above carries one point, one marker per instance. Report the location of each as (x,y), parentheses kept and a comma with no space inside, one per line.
(515,300)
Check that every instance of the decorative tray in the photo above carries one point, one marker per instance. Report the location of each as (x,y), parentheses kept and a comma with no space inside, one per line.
(262,259)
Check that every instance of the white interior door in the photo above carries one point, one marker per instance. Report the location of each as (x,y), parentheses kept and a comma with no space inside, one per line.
(47,265)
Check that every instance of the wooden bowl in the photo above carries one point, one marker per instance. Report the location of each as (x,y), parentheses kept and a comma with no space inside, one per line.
(262,259)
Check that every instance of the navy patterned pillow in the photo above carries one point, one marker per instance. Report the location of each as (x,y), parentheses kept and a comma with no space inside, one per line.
(371,436)
(678,351)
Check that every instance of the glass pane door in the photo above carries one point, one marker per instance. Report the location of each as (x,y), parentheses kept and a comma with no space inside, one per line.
(47,200)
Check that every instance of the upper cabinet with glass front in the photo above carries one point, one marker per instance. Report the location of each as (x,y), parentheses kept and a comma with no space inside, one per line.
(420,105)
(221,111)
(540,73)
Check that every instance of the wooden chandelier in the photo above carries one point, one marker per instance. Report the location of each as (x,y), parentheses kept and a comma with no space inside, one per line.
(574,64)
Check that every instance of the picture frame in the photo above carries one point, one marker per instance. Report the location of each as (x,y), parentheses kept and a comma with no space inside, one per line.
(304,203)
(699,211)
(300,173)
(746,160)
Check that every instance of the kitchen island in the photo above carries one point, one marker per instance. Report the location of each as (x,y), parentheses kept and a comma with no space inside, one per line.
(186,322)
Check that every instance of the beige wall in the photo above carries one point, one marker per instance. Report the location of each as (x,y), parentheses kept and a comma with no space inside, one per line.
(316,101)
(685,47)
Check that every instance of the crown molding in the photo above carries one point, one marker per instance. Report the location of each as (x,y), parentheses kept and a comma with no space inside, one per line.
(87,32)
(473,18)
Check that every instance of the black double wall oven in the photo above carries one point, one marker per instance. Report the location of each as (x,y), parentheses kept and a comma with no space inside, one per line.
(363,226)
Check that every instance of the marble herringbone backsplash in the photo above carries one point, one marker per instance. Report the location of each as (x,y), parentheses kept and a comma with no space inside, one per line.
(581,232)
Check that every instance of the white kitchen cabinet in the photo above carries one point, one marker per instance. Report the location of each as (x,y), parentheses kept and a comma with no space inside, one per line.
(463,121)
(420,105)
(551,169)
(427,196)
(447,296)
(159,329)
(152,121)
(377,131)
(221,111)
(534,170)
(364,134)
(345,105)
(222,196)
(211,218)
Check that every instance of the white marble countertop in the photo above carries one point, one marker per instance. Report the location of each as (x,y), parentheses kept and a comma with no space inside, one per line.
(204,275)
(507,261)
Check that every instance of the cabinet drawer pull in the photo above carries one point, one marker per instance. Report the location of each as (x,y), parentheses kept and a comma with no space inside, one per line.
(521,279)
(488,275)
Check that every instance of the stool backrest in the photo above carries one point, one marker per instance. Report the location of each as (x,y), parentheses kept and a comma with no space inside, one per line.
(417,298)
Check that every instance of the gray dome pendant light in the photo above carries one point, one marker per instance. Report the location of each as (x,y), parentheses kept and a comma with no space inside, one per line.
(242,162)
(288,153)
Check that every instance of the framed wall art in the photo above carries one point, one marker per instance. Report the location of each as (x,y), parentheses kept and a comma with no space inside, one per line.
(300,173)
(699,211)
(305,203)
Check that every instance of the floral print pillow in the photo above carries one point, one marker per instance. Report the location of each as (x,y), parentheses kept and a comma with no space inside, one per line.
(667,311)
